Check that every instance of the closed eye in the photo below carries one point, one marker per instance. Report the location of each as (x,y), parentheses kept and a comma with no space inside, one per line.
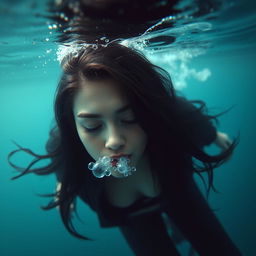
(92,129)
(133,121)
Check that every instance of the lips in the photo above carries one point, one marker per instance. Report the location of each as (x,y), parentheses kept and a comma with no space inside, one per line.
(114,162)
(115,158)
(120,155)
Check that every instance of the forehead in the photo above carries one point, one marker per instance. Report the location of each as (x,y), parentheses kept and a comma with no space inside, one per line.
(97,96)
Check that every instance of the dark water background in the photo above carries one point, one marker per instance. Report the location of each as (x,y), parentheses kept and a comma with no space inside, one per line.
(213,60)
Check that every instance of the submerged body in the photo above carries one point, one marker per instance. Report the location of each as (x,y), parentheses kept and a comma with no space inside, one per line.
(136,202)
(111,101)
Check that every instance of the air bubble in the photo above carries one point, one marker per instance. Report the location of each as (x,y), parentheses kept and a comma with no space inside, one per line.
(94,47)
(103,167)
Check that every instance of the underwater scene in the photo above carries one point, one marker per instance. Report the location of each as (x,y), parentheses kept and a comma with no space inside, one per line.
(209,50)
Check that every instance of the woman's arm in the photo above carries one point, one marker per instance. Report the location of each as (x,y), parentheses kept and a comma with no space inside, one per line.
(197,125)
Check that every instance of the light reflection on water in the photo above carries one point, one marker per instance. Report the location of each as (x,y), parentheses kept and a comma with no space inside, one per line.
(28,40)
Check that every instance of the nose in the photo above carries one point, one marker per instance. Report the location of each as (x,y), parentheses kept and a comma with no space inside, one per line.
(115,139)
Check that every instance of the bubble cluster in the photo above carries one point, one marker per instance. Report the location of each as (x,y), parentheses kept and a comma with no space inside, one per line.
(75,47)
(105,165)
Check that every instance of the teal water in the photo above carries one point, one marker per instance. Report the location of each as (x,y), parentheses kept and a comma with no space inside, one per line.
(221,72)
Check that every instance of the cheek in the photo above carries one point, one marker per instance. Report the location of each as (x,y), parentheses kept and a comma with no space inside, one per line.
(92,147)
(140,139)
(81,135)
(90,144)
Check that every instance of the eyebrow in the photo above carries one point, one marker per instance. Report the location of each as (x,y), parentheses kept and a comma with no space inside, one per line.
(89,115)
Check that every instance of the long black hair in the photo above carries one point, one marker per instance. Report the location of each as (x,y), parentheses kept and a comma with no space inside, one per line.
(157,107)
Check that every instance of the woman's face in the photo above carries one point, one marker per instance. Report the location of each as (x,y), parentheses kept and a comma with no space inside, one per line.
(106,124)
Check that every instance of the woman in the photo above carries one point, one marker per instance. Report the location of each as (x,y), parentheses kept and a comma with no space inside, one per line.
(128,145)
